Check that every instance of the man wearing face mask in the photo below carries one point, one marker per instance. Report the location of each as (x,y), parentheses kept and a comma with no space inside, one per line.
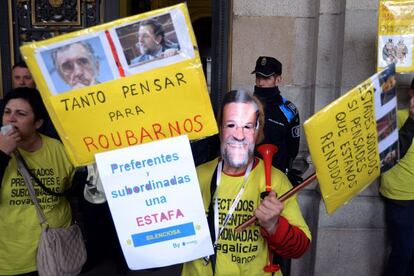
(231,187)
(282,125)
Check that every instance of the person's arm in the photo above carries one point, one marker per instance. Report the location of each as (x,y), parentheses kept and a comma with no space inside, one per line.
(283,238)
(293,138)
(4,161)
(288,240)
(406,132)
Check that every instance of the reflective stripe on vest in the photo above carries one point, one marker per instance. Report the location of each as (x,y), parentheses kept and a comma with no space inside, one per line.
(289,114)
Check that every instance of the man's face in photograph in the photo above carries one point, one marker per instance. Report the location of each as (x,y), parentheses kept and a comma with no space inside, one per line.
(238,134)
(77,66)
(148,42)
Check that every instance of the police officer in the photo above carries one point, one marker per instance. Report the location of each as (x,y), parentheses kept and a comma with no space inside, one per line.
(281,116)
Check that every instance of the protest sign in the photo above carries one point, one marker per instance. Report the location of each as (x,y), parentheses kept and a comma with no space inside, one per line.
(358,140)
(396,34)
(104,89)
(156,203)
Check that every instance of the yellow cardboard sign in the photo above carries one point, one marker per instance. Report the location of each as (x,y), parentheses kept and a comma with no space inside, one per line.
(396,34)
(354,135)
(131,81)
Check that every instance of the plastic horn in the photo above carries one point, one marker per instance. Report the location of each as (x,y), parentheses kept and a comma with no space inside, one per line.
(267,151)
(284,197)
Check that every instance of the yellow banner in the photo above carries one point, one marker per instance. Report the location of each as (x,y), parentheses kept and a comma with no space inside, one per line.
(396,34)
(354,135)
(131,81)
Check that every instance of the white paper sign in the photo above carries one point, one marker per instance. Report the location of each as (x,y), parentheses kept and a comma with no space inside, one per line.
(155,201)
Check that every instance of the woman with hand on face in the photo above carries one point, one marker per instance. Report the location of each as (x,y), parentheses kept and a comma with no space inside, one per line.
(47,160)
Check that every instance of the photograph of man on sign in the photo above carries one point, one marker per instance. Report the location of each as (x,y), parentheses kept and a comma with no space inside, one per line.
(395,49)
(389,157)
(386,124)
(76,65)
(149,40)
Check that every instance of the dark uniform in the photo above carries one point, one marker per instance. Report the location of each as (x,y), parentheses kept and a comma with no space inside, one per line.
(282,125)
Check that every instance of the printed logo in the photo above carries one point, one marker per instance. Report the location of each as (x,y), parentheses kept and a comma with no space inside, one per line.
(296,131)
(293,108)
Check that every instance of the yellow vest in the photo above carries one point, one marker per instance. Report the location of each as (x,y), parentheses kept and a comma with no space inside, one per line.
(398,182)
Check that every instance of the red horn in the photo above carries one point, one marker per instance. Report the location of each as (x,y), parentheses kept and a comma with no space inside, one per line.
(267,151)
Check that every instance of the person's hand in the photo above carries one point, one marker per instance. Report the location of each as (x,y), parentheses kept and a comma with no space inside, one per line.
(411,107)
(268,212)
(8,141)
(169,53)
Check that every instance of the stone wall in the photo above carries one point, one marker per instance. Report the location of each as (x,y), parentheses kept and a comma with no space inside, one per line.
(326,47)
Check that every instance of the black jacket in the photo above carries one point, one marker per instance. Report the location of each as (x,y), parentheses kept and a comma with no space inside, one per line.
(405,136)
(282,126)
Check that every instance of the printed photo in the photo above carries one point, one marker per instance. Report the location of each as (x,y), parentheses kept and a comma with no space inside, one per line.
(149,40)
(153,42)
(75,65)
(395,49)
(388,91)
(389,157)
(386,125)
